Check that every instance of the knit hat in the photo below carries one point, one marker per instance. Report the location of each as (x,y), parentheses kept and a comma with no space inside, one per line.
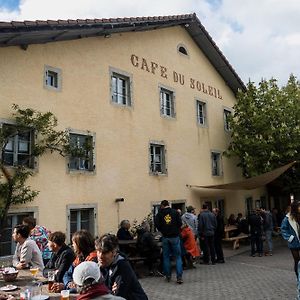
(190,208)
(86,270)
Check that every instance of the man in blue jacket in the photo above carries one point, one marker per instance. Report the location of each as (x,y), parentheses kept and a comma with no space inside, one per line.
(168,222)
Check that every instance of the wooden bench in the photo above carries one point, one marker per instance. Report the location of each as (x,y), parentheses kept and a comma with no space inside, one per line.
(236,240)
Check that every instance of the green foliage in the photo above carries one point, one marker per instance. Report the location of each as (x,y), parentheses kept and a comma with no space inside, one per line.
(266,126)
(13,188)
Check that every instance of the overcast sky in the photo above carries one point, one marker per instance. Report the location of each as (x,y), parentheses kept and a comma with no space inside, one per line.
(260,38)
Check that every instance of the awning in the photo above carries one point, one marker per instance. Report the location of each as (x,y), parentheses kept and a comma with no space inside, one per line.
(250,183)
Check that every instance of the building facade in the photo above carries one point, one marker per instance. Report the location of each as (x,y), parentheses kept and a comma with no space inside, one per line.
(152,95)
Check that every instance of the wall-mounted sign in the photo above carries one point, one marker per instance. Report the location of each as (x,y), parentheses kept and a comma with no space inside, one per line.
(157,69)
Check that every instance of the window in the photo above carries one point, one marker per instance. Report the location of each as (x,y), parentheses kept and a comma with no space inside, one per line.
(201,113)
(120,86)
(167,107)
(182,50)
(216,164)
(52,78)
(157,159)
(81,152)
(17,151)
(220,204)
(81,216)
(7,246)
(227,114)
(249,205)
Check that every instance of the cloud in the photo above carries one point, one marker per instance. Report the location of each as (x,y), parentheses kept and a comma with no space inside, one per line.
(260,40)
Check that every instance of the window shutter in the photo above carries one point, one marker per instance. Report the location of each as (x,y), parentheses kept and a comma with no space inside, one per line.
(46,77)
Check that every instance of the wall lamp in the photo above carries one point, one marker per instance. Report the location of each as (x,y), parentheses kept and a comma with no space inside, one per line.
(119,200)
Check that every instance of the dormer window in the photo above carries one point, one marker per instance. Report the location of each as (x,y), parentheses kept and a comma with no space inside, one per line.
(182,49)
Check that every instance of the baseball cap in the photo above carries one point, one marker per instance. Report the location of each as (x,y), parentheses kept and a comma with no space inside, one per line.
(86,270)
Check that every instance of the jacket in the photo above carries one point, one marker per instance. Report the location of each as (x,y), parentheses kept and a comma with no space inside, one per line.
(120,272)
(68,277)
(290,231)
(189,241)
(145,241)
(220,226)
(97,291)
(207,223)
(168,222)
(256,224)
(124,234)
(268,221)
(191,220)
(40,234)
(29,253)
(61,261)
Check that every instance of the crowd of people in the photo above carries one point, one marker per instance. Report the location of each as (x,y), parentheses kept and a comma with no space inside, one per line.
(92,268)
(99,267)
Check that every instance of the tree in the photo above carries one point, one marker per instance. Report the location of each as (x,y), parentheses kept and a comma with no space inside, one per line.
(14,173)
(266,129)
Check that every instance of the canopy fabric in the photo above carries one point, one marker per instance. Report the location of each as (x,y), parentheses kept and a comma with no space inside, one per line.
(250,183)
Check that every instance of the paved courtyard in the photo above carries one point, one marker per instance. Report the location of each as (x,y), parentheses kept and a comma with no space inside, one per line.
(241,277)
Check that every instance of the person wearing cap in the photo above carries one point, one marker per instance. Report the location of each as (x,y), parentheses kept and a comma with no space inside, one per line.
(191,219)
(90,283)
(117,271)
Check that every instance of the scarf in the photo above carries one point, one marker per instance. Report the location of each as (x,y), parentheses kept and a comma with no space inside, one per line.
(91,257)
(94,291)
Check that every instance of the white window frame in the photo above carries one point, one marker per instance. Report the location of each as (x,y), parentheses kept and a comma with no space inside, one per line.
(79,207)
(16,143)
(163,159)
(115,97)
(55,72)
(203,104)
(92,168)
(219,163)
(226,113)
(164,106)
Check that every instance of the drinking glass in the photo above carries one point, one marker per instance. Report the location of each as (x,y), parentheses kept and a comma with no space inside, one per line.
(51,279)
(65,295)
(34,271)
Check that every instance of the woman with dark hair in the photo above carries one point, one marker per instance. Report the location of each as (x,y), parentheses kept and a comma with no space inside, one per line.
(231,220)
(118,274)
(84,247)
(290,228)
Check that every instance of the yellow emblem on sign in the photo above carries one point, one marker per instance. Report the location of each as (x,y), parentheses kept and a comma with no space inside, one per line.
(168,219)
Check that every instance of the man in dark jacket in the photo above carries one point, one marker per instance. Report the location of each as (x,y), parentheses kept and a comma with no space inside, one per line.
(207,224)
(268,229)
(219,236)
(168,222)
(256,222)
(147,247)
(62,256)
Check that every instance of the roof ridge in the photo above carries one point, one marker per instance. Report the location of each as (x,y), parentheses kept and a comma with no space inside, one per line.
(15,23)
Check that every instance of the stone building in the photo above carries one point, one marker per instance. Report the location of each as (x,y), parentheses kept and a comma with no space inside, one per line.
(152,94)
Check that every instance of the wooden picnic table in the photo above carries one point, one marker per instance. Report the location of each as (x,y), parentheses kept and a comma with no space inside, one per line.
(234,239)
(228,229)
(25,279)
